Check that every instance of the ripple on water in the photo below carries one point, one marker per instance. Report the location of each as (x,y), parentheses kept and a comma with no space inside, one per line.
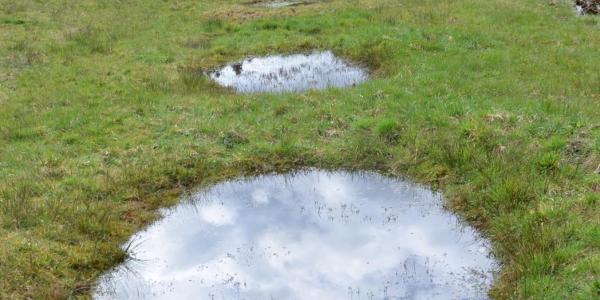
(307,235)
(289,73)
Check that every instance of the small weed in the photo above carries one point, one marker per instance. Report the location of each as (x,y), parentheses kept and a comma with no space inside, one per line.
(13,7)
(556,144)
(197,43)
(548,162)
(232,138)
(17,207)
(280,110)
(13,22)
(213,24)
(156,56)
(195,80)
(592,199)
(157,81)
(269,26)
(365,124)
(377,55)
(389,130)
(25,54)
(91,38)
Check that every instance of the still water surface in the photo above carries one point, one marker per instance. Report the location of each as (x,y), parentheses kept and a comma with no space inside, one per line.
(289,73)
(280,3)
(307,235)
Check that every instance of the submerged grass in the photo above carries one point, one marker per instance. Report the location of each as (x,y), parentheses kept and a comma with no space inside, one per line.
(105,117)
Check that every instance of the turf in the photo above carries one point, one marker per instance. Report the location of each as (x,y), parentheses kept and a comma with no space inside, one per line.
(105,117)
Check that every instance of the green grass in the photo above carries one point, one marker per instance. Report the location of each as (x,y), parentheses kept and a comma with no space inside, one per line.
(104,117)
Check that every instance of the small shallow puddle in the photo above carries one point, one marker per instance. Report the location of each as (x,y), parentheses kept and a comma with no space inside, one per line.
(585,7)
(282,3)
(307,235)
(278,4)
(290,73)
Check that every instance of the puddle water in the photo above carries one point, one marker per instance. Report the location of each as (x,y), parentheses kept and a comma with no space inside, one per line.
(585,7)
(291,73)
(307,235)
(282,3)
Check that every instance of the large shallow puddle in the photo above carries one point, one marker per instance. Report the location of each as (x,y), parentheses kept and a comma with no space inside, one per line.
(290,73)
(308,235)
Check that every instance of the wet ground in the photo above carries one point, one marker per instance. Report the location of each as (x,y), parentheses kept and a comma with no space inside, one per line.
(290,73)
(310,235)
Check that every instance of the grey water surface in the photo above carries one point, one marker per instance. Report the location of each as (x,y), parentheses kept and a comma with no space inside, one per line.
(285,3)
(306,235)
(289,73)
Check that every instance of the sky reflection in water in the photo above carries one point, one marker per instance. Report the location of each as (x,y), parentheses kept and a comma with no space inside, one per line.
(289,73)
(309,235)
(280,4)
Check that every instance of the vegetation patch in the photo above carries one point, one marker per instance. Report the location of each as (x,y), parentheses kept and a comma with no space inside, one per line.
(105,118)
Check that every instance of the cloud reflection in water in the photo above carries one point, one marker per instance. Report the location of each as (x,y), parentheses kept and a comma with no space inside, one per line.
(289,73)
(309,235)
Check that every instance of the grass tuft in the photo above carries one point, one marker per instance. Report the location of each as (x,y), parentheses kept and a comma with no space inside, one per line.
(389,130)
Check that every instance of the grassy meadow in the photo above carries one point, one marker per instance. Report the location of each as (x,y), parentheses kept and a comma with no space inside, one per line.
(105,117)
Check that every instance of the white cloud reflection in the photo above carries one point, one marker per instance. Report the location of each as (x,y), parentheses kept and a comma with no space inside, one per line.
(312,235)
(289,73)
(217,214)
